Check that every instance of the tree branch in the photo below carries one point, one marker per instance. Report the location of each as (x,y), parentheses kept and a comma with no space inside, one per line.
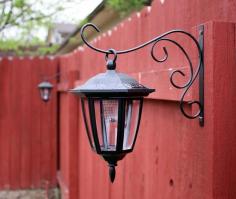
(3,12)
(8,17)
(4,1)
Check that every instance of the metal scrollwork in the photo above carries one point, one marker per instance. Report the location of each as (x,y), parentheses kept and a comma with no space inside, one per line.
(192,74)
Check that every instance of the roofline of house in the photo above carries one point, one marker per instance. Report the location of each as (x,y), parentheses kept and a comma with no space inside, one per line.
(102,16)
(92,15)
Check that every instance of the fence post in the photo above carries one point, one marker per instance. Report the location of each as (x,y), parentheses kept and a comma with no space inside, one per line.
(68,121)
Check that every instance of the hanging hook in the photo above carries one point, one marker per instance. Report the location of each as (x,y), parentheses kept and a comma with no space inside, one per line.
(111,63)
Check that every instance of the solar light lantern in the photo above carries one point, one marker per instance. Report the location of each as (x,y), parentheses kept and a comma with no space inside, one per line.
(112,107)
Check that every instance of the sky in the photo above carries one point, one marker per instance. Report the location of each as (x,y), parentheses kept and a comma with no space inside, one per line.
(76,10)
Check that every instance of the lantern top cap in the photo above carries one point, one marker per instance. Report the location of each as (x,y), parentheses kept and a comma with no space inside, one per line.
(45,84)
(112,84)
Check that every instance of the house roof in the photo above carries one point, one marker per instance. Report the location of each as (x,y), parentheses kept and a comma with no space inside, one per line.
(64,28)
(103,16)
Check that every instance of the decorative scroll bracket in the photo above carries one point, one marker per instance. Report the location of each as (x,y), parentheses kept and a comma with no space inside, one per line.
(198,72)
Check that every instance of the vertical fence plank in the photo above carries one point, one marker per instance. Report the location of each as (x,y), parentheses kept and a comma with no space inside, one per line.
(15,125)
(5,132)
(68,137)
(224,101)
(25,120)
(36,104)
(54,129)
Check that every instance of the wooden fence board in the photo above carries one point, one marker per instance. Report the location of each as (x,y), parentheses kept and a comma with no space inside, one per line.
(5,132)
(35,127)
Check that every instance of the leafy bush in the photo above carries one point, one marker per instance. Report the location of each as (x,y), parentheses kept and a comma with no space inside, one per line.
(125,6)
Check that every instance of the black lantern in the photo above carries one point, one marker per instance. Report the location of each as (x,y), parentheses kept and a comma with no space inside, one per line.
(45,88)
(112,107)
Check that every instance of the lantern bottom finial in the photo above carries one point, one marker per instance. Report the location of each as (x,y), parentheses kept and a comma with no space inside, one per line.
(112,163)
(112,172)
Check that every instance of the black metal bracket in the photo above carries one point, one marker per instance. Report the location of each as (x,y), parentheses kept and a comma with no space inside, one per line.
(201,76)
(199,70)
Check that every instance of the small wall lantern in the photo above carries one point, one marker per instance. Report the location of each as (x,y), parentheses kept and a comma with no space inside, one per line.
(45,88)
(112,102)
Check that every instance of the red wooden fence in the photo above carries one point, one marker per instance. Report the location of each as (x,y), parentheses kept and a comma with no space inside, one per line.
(173,157)
(28,153)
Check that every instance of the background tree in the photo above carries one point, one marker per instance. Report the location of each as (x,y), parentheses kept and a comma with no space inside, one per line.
(127,6)
(21,19)
(23,12)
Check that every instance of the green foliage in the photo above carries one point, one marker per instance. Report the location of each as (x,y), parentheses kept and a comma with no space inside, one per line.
(84,21)
(47,50)
(73,40)
(19,3)
(24,13)
(20,47)
(9,45)
(125,6)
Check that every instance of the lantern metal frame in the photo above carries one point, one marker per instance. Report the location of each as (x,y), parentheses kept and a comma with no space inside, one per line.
(199,72)
(119,153)
(121,105)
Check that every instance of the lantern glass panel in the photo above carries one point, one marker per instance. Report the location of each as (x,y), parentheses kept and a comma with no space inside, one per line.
(45,94)
(86,116)
(106,112)
(131,122)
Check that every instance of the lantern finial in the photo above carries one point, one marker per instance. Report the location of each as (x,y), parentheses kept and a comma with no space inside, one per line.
(112,171)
